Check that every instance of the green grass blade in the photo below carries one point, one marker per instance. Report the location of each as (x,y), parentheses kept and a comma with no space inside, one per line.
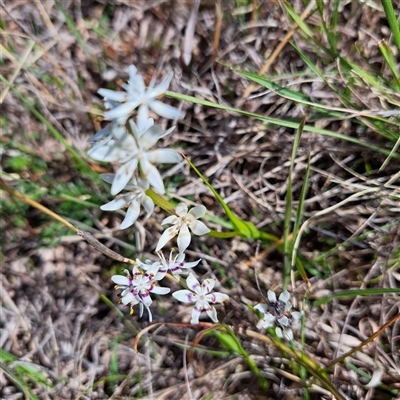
(23,386)
(296,18)
(393,151)
(393,23)
(279,122)
(354,293)
(388,56)
(288,210)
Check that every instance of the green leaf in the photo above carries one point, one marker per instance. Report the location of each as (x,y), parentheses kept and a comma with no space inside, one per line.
(353,293)
(278,122)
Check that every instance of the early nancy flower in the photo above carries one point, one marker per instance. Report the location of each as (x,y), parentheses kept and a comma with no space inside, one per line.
(132,200)
(202,296)
(175,264)
(131,151)
(136,95)
(136,288)
(181,224)
(278,311)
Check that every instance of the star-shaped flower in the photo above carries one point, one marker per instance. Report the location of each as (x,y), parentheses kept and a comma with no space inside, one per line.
(132,200)
(182,221)
(175,264)
(278,311)
(202,296)
(131,151)
(137,287)
(136,95)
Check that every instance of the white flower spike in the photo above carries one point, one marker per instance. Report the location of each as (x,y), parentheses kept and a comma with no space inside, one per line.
(202,296)
(136,95)
(131,151)
(278,311)
(181,224)
(132,200)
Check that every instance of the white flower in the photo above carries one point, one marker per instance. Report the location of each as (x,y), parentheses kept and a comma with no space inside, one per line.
(131,151)
(181,224)
(137,287)
(278,311)
(132,200)
(175,264)
(136,94)
(202,296)
(105,134)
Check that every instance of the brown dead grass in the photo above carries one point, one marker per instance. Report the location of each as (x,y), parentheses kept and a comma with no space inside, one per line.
(52,316)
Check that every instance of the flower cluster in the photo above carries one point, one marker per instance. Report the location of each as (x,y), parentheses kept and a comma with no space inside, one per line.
(127,144)
(138,286)
(280,312)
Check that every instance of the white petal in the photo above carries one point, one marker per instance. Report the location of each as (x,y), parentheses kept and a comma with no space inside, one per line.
(288,305)
(189,264)
(199,228)
(120,280)
(151,174)
(142,117)
(285,296)
(185,296)
(132,72)
(168,131)
(107,177)
(271,296)
(166,237)
(131,215)
(193,283)
(198,211)
(181,210)
(116,204)
(288,334)
(162,87)
(195,316)
(123,110)
(212,313)
(283,321)
(278,332)
(184,239)
(166,111)
(108,94)
(263,308)
(164,156)
(150,137)
(148,206)
(129,298)
(160,290)
(123,176)
(266,322)
(217,297)
(172,219)
(105,152)
(101,134)
(296,315)
(208,285)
